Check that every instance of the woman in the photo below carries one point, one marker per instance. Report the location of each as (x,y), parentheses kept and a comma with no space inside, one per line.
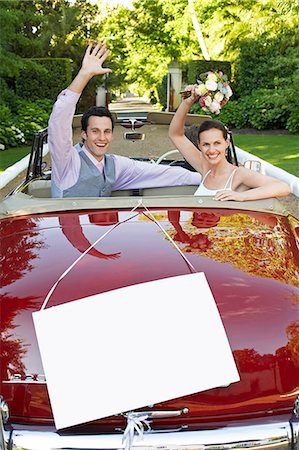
(221,179)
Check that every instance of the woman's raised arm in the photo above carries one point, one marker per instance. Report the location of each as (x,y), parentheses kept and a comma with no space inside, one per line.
(177,135)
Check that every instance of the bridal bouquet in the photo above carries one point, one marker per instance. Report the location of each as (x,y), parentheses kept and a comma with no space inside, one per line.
(213,91)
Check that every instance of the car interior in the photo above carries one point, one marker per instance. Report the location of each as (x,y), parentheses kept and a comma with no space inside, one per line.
(38,178)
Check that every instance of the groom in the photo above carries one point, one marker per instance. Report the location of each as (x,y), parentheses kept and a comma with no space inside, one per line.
(91,171)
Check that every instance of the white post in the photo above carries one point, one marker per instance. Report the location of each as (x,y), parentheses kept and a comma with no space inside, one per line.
(174,82)
(101,96)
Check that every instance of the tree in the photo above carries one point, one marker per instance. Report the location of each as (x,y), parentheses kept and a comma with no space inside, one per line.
(146,39)
(39,29)
(18,40)
(228,22)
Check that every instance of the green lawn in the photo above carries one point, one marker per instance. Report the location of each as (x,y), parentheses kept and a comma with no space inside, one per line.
(10,156)
(280,150)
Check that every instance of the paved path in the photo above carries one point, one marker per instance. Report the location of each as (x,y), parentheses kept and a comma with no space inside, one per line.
(128,104)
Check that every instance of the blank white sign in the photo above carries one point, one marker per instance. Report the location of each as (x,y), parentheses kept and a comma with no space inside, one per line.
(132,347)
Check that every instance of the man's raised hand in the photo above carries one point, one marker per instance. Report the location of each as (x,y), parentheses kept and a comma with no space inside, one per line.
(91,66)
(94,58)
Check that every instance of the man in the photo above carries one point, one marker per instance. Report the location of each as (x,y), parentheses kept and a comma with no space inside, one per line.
(90,171)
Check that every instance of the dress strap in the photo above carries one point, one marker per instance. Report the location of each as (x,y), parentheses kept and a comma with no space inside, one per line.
(229,182)
(205,176)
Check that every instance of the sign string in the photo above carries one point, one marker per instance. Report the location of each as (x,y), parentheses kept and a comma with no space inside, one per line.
(83,254)
(138,205)
(170,239)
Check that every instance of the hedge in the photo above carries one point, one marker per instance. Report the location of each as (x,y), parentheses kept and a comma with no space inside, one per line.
(196,67)
(267,62)
(43,78)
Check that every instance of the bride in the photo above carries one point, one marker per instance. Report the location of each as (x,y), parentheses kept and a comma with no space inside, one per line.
(221,179)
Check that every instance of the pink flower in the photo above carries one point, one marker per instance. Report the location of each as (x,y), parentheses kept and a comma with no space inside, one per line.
(202,101)
(215,107)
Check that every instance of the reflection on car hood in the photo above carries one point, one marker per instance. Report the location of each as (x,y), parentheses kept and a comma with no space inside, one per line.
(249,258)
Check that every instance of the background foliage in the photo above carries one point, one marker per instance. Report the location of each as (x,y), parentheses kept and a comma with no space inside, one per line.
(258,39)
(196,67)
(41,78)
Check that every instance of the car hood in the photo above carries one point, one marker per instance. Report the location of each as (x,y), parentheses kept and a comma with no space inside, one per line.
(250,260)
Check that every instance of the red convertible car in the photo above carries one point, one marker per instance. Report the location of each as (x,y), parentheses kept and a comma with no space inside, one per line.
(249,254)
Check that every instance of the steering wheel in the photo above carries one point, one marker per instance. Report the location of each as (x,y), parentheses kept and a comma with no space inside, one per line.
(170,152)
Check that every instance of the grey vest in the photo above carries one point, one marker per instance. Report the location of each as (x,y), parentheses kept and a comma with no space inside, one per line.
(92,183)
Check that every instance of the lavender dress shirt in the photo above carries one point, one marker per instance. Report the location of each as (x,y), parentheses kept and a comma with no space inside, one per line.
(130,174)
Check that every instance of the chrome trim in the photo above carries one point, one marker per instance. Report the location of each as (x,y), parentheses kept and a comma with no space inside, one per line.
(276,436)
(29,378)
(160,414)
(295,429)
(3,437)
(4,410)
(23,382)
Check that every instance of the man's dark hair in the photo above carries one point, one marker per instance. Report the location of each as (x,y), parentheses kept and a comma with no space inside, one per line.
(100,111)
(209,125)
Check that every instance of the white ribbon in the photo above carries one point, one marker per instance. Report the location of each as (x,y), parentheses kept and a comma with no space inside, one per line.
(135,422)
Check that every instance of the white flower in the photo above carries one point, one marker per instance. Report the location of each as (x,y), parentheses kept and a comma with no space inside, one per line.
(2,147)
(229,92)
(208,101)
(212,76)
(211,85)
(201,89)
(219,97)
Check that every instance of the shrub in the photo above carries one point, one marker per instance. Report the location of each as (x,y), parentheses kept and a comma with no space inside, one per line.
(263,109)
(267,108)
(8,96)
(292,99)
(43,78)
(232,114)
(267,62)
(30,117)
(10,135)
(293,121)
(33,116)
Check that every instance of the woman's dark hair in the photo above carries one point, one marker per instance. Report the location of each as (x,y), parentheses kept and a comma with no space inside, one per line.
(191,132)
(209,125)
(100,111)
